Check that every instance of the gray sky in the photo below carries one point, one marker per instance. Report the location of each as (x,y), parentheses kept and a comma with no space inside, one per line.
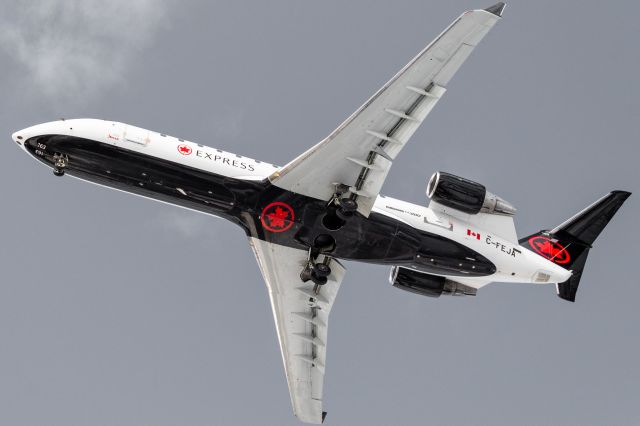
(115,310)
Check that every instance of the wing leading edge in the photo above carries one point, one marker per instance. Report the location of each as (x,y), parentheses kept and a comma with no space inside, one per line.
(359,153)
(301,316)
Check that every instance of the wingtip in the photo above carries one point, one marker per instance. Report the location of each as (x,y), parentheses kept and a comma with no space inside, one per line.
(497,9)
(621,193)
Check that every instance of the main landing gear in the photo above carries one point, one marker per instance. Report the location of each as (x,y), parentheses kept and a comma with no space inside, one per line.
(316,272)
(60,162)
(340,208)
(345,207)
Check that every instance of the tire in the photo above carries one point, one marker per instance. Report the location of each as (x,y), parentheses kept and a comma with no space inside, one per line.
(319,280)
(321,270)
(58,172)
(348,205)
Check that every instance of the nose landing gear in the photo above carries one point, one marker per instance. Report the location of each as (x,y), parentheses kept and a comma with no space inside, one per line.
(60,162)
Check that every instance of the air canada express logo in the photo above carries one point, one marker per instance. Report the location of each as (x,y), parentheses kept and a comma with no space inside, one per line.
(277,217)
(184,149)
(550,249)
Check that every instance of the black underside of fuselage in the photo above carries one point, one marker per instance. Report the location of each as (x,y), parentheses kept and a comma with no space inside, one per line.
(376,239)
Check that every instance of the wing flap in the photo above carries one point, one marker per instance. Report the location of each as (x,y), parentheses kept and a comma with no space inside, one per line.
(301,317)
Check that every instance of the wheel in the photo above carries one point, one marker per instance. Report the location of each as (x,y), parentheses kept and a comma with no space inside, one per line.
(346,208)
(319,280)
(321,270)
(58,172)
(347,205)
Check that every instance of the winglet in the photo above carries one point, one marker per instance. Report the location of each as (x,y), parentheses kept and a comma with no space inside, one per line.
(497,9)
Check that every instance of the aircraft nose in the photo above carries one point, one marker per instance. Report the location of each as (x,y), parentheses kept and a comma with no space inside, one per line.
(21,136)
(18,137)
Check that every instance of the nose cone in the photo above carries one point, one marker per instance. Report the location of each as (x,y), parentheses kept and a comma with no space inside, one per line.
(21,136)
(17,137)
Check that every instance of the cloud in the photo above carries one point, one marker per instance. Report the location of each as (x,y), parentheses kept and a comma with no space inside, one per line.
(75,49)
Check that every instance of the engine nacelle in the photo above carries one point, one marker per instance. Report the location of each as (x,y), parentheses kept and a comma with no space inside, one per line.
(426,284)
(465,195)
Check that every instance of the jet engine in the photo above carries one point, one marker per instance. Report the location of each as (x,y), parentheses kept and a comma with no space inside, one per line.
(466,195)
(426,284)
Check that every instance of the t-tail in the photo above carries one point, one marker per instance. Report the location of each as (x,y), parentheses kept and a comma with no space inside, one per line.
(568,244)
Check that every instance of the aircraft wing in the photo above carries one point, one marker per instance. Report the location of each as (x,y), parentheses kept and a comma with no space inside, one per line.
(301,316)
(359,153)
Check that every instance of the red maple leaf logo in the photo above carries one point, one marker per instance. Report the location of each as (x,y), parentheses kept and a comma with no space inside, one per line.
(184,149)
(550,249)
(277,217)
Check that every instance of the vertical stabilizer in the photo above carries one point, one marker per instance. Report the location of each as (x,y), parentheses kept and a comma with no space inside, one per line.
(568,244)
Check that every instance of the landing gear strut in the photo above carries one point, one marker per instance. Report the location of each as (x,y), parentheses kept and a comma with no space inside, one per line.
(60,162)
(345,207)
(316,271)
(339,209)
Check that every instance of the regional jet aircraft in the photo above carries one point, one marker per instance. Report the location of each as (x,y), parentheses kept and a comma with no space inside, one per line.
(324,207)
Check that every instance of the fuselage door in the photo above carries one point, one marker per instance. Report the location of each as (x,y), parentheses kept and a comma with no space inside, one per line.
(136,135)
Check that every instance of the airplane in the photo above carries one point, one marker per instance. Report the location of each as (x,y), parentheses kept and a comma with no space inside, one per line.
(324,207)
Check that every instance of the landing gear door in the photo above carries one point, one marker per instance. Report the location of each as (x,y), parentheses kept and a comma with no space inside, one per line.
(135,135)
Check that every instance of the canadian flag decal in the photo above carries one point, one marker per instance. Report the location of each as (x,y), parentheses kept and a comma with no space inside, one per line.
(471,233)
